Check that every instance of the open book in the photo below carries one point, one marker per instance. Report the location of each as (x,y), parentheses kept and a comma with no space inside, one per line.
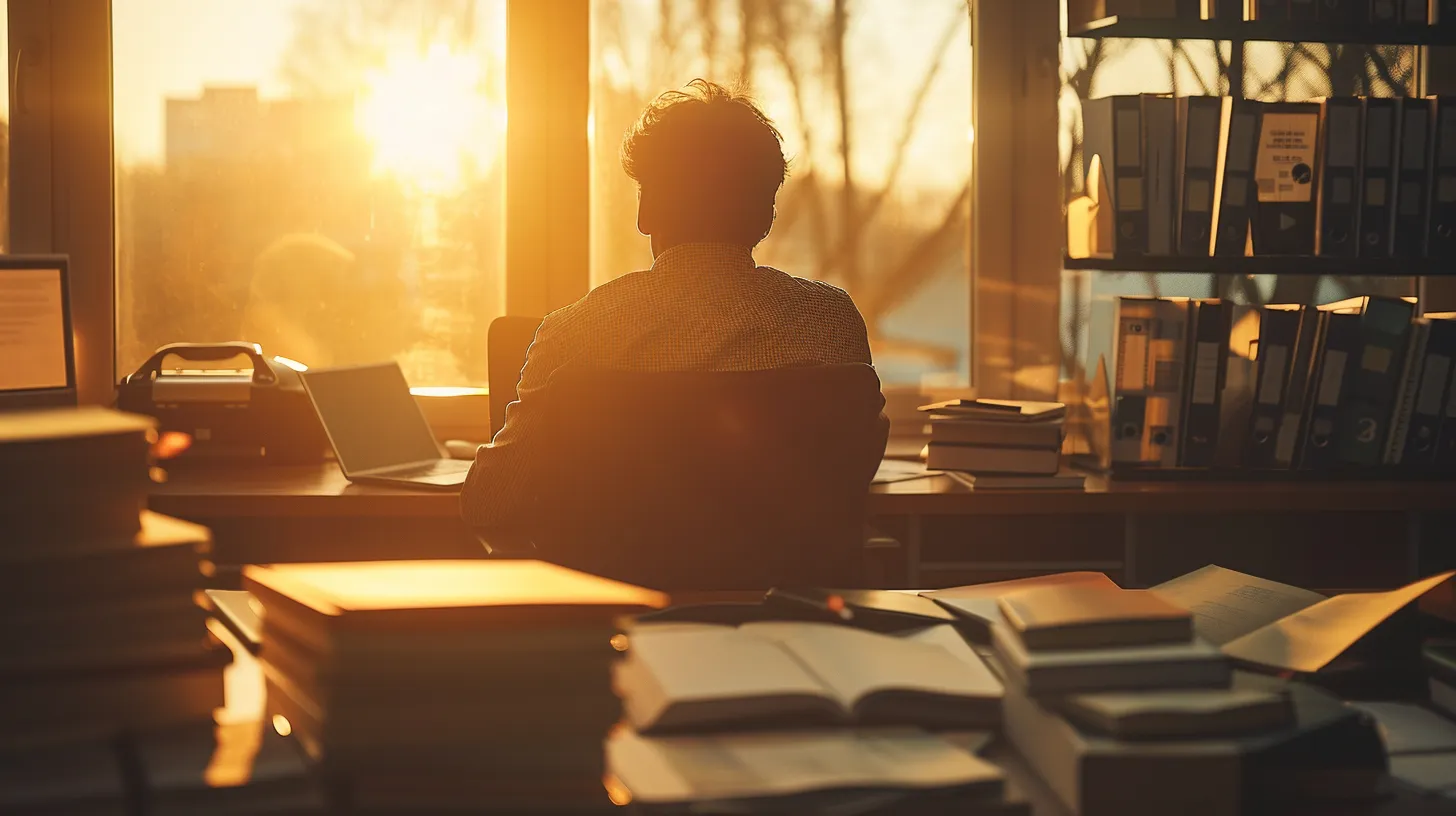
(684,677)
(1278,626)
(728,767)
(1253,620)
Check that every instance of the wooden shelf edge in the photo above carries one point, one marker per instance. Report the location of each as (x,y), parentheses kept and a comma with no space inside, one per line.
(1269,265)
(1263,31)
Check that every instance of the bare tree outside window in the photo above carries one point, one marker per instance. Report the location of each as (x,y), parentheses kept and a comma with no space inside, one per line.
(874,99)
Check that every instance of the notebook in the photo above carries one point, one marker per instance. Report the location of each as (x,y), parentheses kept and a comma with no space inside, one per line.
(1093,617)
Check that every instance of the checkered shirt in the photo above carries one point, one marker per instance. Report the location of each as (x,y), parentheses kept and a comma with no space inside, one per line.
(701,307)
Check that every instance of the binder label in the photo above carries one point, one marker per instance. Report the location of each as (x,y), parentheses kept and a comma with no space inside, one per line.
(1271,385)
(1375,191)
(1413,140)
(1378,136)
(1202,147)
(1129,136)
(1446,189)
(1200,196)
(1332,378)
(1205,372)
(1376,358)
(1285,167)
(1132,370)
(1130,194)
(1433,382)
(1343,126)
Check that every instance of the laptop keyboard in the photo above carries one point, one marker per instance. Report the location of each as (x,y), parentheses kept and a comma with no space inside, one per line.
(430,469)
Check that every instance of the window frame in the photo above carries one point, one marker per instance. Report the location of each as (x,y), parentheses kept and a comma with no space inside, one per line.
(62,169)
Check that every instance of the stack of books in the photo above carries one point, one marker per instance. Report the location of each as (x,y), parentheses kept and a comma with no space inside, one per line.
(1120,706)
(999,443)
(100,627)
(446,685)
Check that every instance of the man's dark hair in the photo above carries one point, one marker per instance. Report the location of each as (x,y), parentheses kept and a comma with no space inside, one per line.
(712,160)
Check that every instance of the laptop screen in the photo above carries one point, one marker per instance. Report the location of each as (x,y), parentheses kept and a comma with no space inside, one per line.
(33,331)
(371,417)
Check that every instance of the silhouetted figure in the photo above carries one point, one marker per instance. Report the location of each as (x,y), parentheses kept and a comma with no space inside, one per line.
(708,164)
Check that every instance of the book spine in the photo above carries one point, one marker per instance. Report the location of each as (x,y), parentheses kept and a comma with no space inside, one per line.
(1278,331)
(1410,380)
(1364,421)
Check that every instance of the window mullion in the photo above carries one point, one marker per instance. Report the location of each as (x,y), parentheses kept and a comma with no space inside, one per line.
(548,52)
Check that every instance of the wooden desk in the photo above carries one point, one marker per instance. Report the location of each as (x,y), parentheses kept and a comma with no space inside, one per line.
(1346,534)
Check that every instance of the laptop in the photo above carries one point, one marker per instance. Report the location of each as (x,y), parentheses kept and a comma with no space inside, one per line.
(377,429)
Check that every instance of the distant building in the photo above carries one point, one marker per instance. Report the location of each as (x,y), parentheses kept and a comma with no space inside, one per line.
(232,125)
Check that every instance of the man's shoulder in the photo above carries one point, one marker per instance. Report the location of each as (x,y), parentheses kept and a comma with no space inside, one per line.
(816,292)
(606,297)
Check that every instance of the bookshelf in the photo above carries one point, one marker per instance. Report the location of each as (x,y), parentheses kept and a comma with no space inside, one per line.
(1378,275)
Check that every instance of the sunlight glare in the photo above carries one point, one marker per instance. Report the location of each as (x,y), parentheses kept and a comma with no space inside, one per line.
(427,117)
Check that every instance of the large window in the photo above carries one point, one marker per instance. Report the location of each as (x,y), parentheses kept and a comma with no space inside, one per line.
(4,131)
(322,177)
(874,100)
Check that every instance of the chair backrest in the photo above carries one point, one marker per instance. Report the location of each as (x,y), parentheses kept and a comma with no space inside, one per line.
(710,480)
(506,344)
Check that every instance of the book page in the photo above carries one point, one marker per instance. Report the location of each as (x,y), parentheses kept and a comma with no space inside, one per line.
(743,766)
(1308,639)
(853,663)
(946,637)
(987,609)
(1227,605)
(706,662)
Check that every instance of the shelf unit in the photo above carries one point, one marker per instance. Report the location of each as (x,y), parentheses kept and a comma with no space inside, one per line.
(1238,33)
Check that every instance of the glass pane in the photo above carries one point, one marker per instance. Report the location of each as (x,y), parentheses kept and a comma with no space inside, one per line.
(322,177)
(889,221)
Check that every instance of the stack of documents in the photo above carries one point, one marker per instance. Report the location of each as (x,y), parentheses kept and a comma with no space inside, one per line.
(439,685)
(100,629)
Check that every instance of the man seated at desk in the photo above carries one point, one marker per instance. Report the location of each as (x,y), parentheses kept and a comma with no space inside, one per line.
(707,163)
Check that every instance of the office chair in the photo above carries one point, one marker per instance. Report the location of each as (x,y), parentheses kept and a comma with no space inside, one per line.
(507,341)
(707,481)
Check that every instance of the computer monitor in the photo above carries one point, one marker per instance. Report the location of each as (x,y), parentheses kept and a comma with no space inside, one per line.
(37,349)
